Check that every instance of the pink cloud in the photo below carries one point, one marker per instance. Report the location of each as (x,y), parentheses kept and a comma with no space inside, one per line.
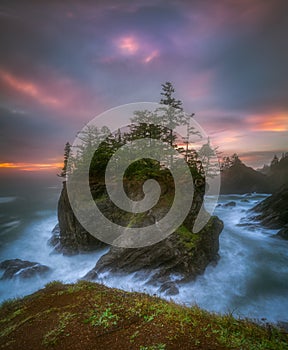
(29,89)
(270,122)
(128,45)
(134,47)
(56,92)
(154,54)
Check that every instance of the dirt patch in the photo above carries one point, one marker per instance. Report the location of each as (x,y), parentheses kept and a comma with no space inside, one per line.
(91,316)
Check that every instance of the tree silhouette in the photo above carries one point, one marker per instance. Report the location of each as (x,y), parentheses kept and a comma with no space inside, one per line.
(168,98)
(67,151)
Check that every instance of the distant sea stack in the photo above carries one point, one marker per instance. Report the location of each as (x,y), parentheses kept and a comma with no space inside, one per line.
(240,179)
(277,172)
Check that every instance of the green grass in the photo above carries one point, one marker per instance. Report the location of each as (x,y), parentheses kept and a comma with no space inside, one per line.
(159,346)
(187,238)
(104,318)
(148,323)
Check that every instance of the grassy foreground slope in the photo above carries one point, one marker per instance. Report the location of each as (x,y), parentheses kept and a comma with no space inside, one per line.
(87,315)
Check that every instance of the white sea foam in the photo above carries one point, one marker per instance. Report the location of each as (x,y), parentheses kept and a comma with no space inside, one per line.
(249,280)
(7,199)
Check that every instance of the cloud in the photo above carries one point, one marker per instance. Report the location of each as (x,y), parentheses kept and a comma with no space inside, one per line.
(269,122)
(29,89)
(24,137)
(64,62)
(128,45)
(258,158)
(51,92)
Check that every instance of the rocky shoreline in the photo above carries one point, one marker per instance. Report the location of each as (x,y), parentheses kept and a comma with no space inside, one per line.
(273,212)
(183,253)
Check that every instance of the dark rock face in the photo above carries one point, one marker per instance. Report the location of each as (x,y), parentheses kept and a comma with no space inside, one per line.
(69,237)
(229,204)
(278,173)
(183,252)
(283,233)
(240,179)
(273,211)
(169,288)
(23,269)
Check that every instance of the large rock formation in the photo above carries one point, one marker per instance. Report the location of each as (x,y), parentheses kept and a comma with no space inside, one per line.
(22,269)
(69,237)
(240,179)
(277,171)
(273,212)
(184,253)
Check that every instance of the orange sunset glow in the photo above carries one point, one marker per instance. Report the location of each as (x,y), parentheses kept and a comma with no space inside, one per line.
(269,122)
(31,166)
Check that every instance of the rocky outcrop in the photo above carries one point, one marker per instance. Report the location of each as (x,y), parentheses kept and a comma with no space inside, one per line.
(22,269)
(273,212)
(183,253)
(283,233)
(277,172)
(68,236)
(229,204)
(240,179)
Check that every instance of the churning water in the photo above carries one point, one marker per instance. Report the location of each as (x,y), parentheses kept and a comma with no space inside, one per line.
(250,279)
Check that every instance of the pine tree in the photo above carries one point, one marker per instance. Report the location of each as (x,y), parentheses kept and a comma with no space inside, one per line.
(173,115)
(274,162)
(169,99)
(209,160)
(67,151)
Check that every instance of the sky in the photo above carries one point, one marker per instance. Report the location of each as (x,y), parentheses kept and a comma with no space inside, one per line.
(64,62)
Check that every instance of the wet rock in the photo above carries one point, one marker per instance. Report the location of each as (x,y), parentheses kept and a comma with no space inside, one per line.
(229,204)
(272,212)
(23,269)
(169,288)
(92,275)
(183,253)
(68,236)
(283,233)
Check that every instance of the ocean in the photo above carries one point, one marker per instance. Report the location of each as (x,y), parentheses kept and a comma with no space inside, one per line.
(250,279)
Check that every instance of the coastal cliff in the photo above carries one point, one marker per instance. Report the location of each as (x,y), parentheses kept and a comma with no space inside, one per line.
(68,236)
